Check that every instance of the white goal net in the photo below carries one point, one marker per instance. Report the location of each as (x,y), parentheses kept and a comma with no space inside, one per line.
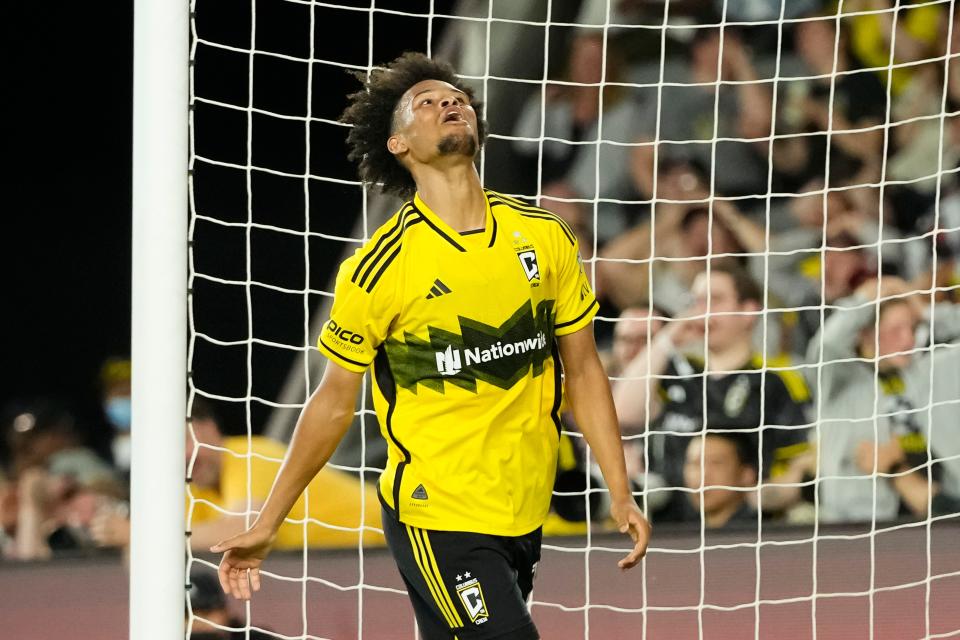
(767,199)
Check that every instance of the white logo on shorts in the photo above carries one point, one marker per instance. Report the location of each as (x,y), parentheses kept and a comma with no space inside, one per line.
(472,597)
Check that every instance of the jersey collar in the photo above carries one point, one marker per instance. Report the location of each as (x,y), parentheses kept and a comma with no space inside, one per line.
(462,242)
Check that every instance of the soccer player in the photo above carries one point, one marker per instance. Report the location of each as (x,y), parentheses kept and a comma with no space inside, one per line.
(475,312)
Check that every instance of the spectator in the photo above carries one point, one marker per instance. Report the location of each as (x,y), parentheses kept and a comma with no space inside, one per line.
(218,494)
(856,101)
(944,391)
(55,513)
(633,329)
(115,395)
(720,469)
(212,618)
(873,392)
(677,121)
(561,130)
(54,483)
(669,376)
(923,142)
(872,35)
(568,508)
(42,433)
(800,276)
(674,246)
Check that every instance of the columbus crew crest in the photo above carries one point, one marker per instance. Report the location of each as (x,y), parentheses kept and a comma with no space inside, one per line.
(528,258)
(471,595)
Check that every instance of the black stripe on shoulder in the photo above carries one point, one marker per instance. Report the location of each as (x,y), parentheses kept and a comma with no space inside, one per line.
(440,232)
(386,263)
(408,219)
(376,250)
(528,211)
(531,208)
(552,218)
(560,325)
(508,199)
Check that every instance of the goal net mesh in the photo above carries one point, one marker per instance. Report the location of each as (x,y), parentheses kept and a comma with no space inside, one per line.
(767,203)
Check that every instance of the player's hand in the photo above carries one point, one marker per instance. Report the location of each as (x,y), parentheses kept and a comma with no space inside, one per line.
(630,520)
(242,556)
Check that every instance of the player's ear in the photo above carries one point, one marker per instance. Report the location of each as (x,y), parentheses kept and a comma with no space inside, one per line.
(396,144)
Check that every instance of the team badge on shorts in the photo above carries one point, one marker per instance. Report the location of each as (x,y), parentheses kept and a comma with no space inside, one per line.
(472,597)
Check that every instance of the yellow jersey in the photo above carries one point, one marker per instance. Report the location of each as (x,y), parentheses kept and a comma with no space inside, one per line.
(460,329)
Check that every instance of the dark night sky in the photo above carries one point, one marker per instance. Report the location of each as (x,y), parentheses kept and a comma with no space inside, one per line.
(68,258)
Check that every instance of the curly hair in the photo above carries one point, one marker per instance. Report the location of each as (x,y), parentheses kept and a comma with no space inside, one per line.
(371,112)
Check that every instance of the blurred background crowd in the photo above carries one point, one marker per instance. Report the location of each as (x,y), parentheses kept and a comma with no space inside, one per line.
(771,217)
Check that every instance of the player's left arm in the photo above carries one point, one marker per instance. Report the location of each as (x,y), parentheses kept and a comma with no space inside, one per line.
(588,392)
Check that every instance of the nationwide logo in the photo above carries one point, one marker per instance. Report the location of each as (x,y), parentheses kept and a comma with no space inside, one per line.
(449,360)
(498,355)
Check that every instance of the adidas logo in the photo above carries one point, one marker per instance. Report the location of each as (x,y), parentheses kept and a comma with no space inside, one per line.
(438,289)
(419,493)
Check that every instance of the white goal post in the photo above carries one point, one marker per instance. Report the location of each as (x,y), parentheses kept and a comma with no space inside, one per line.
(159,317)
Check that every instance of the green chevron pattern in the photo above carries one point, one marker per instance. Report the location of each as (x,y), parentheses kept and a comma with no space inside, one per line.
(499,356)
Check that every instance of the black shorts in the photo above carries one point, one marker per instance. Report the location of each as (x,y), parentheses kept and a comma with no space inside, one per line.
(468,586)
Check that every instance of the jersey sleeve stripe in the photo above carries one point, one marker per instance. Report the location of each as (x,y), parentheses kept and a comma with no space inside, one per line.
(383,267)
(537,214)
(553,218)
(355,363)
(407,221)
(383,238)
(390,259)
(529,208)
(580,317)
(420,556)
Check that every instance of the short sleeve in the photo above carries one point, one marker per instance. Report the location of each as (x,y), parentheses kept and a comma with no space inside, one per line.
(576,303)
(358,321)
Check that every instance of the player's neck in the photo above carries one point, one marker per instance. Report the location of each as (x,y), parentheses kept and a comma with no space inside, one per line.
(455,195)
(731,358)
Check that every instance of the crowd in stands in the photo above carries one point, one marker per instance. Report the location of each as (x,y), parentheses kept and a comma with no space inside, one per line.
(775,253)
(773,223)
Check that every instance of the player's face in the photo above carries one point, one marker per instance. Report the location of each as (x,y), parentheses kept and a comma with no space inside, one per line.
(434,119)
(729,320)
(720,467)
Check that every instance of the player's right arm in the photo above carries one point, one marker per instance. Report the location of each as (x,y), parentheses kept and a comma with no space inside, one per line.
(323,422)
